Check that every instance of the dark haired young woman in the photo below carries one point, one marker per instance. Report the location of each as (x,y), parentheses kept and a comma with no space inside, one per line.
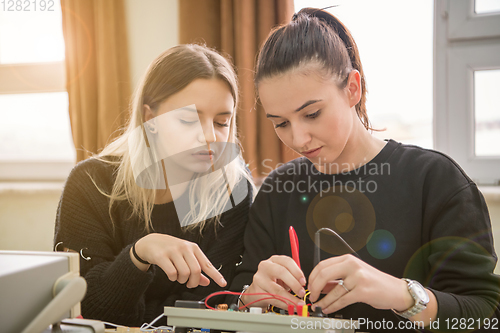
(419,226)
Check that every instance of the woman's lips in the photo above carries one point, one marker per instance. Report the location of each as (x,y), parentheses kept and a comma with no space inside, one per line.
(312,153)
(204,154)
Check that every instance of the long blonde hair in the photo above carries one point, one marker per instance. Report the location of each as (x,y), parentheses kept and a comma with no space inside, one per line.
(168,74)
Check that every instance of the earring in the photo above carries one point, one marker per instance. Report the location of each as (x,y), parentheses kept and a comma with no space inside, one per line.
(55,246)
(151,128)
(84,257)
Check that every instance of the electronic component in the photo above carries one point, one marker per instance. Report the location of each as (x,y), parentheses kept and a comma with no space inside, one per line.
(38,289)
(318,312)
(222,307)
(305,311)
(255,309)
(299,310)
(190,304)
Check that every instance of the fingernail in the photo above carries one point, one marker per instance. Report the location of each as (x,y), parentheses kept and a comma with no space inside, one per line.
(223,281)
(302,281)
(313,307)
(302,293)
(301,303)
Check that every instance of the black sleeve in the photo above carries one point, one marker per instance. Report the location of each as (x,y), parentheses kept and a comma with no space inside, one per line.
(471,258)
(461,257)
(259,239)
(115,286)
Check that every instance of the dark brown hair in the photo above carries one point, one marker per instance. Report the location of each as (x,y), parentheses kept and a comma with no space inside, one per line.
(313,35)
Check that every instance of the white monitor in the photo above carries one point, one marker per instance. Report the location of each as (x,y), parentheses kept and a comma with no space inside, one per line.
(38,289)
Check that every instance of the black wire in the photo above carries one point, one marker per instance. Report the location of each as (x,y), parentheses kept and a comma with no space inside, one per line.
(318,248)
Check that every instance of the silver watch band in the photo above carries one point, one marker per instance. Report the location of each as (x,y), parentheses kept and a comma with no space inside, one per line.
(420,304)
(415,309)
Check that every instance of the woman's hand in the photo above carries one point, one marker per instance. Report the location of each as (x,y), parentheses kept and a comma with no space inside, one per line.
(181,260)
(365,283)
(276,275)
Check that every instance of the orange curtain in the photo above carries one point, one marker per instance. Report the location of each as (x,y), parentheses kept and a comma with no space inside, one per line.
(238,28)
(97,71)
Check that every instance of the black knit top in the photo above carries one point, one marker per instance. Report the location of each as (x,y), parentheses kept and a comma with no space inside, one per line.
(410,212)
(117,291)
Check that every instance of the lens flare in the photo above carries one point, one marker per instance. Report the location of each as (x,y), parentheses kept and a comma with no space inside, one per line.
(346,211)
(381,244)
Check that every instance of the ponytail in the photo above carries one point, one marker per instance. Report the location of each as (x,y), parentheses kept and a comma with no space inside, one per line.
(313,35)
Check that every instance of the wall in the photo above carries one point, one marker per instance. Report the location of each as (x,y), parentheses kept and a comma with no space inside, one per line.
(152,28)
(27,215)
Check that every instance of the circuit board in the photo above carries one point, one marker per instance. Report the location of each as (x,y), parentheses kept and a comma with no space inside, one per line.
(251,322)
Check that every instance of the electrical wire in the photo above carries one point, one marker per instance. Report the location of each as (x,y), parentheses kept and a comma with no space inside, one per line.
(280,298)
(273,296)
(114,325)
(150,328)
(304,299)
(260,299)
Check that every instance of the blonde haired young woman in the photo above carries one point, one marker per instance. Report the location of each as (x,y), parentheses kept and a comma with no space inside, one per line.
(161,211)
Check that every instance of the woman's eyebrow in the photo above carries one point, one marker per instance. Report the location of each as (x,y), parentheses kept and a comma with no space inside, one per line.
(199,111)
(306,104)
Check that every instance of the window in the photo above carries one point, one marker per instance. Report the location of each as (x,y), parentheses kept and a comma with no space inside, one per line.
(396,53)
(487,112)
(467,73)
(436,88)
(486,6)
(35,135)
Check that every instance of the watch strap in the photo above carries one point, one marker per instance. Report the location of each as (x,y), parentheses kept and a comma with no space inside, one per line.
(415,308)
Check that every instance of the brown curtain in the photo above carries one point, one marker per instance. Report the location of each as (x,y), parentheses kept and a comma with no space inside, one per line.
(238,28)
(97,71)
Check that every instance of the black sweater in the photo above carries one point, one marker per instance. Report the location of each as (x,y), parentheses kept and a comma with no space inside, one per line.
(117,291)
(430,224)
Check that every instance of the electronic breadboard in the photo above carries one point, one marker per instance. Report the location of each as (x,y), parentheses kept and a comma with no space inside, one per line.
(252,322)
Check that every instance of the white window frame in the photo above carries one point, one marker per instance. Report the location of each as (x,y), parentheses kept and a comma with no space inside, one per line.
(463,43)
(27,79)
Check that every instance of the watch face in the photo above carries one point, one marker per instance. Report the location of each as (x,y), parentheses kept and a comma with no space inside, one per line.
(420,293)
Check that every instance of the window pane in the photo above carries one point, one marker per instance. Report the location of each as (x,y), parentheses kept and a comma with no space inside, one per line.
(35,127)
(396,53)
(487,112)
(31,36)
(486,6)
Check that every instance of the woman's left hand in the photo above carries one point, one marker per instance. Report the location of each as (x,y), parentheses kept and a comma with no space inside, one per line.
(364,283)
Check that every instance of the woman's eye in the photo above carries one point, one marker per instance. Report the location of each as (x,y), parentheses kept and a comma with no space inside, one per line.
(283,124)
(188,122)
(223,124)
(314,115)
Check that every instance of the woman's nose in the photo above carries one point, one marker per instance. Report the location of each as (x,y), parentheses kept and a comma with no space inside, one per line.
(207,134)
(300,136)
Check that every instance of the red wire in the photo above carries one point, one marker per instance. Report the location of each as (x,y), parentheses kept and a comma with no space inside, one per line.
(273,296)
(280,298)
(260,299)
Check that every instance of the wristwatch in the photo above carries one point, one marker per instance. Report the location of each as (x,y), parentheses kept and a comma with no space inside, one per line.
(419,294)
